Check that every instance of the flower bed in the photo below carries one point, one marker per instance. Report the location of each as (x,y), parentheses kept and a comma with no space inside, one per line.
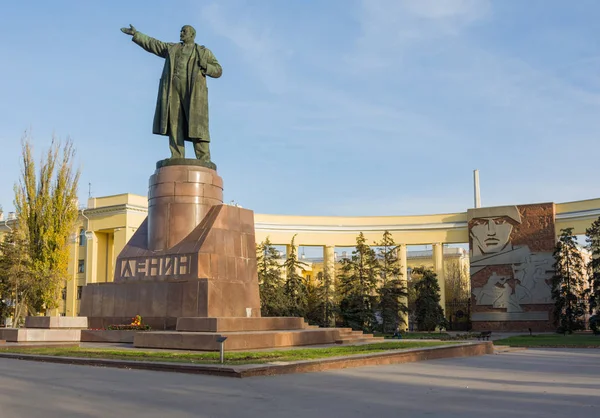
(136,325)
(128,327)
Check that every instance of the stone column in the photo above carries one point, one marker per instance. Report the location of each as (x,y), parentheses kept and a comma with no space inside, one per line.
(401,254)
(121,236)
(438,268)
(71,285)
(179,196)
(91,259)
(329,269)
(329,262)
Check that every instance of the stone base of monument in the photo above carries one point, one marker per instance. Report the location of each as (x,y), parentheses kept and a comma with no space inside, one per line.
(245,334)
(47,329)
(190,272)
(211,272)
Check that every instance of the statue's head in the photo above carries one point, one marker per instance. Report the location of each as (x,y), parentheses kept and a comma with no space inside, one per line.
(187,34)
(490,228)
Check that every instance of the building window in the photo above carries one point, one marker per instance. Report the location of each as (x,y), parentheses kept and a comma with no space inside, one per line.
(82,237)
(64,294)
(308,277)
(81,266)
(79,291)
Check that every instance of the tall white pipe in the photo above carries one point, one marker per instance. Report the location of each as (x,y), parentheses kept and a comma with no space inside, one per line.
(476,188)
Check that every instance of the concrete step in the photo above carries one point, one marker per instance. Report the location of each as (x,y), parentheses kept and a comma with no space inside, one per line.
(355,334)
(359,340)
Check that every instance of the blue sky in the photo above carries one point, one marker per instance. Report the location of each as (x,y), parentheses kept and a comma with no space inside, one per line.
(334,107)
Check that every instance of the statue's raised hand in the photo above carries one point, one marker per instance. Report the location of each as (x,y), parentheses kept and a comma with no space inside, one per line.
(129,31)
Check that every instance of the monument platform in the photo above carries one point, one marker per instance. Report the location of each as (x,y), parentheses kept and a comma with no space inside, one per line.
(240,324)
(246,334)
(190,272)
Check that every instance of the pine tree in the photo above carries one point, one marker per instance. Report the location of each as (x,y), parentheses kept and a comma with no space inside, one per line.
(567,283)
(321,304)
(358,287)
(295,287)
(391,289)
(327,296)
(46,207)
(270,281)
(428,311)
(593,292)
(313,302)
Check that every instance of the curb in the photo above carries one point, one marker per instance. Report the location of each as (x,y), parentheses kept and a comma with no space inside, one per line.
(501,349)
(359,360)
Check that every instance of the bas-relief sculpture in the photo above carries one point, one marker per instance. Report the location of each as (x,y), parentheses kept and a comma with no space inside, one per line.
(182,104)
(529,273)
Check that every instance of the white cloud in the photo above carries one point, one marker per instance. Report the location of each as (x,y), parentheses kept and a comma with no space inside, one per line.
(458,10)
(390,28)
(261,50)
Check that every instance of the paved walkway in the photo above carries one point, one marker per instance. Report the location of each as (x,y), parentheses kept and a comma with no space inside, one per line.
(531,383)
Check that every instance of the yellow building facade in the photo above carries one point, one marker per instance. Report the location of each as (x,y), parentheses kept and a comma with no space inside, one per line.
(107,223)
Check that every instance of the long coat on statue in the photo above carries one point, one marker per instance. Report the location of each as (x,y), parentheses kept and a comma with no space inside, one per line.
(202,63)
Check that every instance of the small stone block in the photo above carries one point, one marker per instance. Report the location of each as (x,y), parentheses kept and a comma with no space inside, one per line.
(56,322)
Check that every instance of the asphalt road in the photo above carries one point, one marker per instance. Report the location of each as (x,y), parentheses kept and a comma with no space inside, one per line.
(532,383)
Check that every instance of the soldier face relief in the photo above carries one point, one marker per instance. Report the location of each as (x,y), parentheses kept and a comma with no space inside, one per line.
(490,235)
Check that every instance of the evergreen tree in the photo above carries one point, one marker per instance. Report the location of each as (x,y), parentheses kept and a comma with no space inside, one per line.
(327,296)
(567,284)
(391,289)
(295,287)
(358,287)
(270,281)
(428,312)
(313,302)
(46,207)
(321,304)
(593,293)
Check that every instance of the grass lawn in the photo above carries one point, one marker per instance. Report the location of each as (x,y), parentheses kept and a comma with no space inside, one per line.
(552,340)
(252,357)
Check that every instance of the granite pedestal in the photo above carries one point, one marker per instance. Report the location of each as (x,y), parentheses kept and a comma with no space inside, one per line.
(190,272)
(192,257)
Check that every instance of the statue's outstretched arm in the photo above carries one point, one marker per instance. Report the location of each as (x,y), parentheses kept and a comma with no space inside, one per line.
(148,43)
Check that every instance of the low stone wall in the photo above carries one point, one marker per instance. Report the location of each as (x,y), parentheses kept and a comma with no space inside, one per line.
(244,340)
(378,359)
(107,336)
(240,324)
(56,322)
(40,335)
